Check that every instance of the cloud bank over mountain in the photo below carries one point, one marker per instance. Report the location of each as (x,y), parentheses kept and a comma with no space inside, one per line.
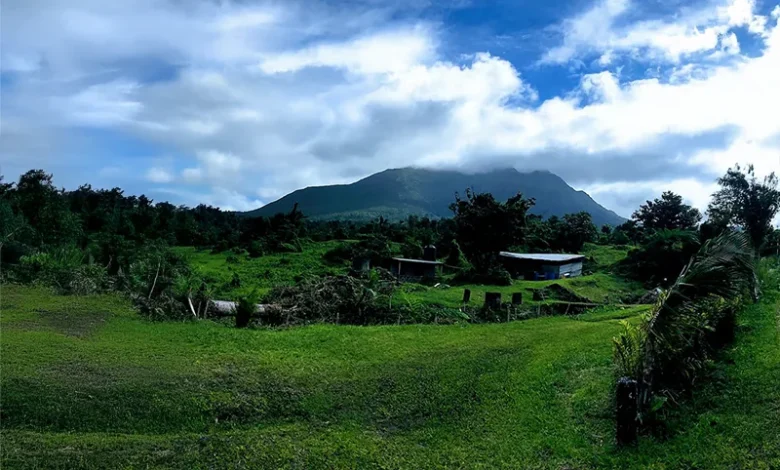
(238,103)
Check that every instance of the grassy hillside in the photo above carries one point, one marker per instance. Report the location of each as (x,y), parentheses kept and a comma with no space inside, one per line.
(261,273)
(283,269)
(86,383)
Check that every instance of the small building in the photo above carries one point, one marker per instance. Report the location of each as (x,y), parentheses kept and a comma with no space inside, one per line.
(414,268)
(542,265)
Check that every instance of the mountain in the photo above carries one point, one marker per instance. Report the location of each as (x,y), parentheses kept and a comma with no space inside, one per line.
(398,193)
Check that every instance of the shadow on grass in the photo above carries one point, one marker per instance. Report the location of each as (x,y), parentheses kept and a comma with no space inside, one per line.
(395,397)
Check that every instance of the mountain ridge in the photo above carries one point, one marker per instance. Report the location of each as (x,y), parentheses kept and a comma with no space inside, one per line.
(399,192)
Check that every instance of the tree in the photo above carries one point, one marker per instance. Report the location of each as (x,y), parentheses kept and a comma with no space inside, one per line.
(670,346)
(745,202)
(659,260)
(630,231)
(667,213)
(484,226)
(576,230)
(772,244)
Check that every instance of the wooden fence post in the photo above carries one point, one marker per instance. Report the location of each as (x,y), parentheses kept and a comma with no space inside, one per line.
(466,296)
(626,400)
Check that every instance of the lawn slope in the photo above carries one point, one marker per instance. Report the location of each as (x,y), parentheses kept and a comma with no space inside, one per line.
(88,384)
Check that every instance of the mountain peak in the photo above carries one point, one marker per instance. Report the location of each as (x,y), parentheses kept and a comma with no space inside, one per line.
(396,193)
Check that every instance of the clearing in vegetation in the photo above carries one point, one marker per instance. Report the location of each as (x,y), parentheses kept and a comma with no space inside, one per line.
(107,389)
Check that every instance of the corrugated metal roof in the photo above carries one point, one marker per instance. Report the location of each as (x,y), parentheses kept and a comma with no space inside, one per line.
(418,261)
(553,257)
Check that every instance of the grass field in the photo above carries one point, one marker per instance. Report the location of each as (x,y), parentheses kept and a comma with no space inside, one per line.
(261,273)
(86,383)
(265,272)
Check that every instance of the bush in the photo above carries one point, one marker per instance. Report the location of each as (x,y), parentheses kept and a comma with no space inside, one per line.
(661,259)
(495,275)
(456,257)
(55,268)
(376,248)
(412,249)
(291,247)
(245,308)
(256,249)
(89,279)
(338,255)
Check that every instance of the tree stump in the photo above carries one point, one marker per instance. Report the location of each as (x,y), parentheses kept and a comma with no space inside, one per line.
(242,319)
(493,299)
(626,398)
(466,296)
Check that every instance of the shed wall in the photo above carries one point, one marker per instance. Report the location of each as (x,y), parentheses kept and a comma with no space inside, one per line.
(572,269)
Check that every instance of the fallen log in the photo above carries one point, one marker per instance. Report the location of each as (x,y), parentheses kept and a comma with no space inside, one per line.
(228,307)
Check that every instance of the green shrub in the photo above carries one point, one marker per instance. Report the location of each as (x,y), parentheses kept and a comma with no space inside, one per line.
(341,253)
(54,268)
(456,257)
(628,349)
(246,307)
(412,249)
(661,259)
(495,275)
(89,279)
(256,249)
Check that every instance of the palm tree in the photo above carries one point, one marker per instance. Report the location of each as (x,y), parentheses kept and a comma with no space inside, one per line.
(666,351)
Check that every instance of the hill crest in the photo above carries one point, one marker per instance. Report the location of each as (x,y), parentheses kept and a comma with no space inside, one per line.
(400,192)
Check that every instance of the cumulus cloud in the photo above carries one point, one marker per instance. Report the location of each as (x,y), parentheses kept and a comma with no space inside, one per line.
(251,101)
(153,174)
(600,31)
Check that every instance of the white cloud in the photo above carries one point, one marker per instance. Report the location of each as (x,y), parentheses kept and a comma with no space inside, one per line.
(192,175)
(158,175)
(276,112)
(104,104)
(392,51)
(600,31)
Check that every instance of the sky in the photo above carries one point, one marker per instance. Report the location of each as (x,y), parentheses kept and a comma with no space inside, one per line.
(237,103)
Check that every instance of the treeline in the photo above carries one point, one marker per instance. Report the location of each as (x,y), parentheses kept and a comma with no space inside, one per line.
(108,234)
(111,226)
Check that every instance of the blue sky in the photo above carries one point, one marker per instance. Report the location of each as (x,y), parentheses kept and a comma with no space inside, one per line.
(236,103)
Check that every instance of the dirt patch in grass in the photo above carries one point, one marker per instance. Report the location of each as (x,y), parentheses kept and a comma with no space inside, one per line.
(78,325)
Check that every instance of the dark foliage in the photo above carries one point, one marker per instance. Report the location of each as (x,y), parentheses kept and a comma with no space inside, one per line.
(661,259)
(690,321)
(667,213)
(485,226)
(746,202)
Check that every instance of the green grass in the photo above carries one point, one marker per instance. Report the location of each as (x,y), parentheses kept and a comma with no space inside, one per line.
(265,272)
(86,383)
(605,256)
(597,287)
(262,273)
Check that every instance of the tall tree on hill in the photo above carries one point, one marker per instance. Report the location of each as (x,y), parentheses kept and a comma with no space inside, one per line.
(45,210)
(484,226)
(745,202)
(667,213)
(576,230)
